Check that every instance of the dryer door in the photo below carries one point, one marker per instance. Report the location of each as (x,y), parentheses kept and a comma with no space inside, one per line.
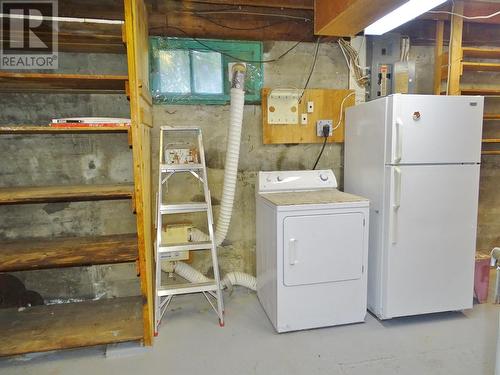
(323,248)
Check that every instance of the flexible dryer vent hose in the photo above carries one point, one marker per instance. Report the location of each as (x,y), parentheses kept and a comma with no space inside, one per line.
(229,188)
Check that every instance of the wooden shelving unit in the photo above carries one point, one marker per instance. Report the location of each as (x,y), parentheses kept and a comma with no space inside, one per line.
(89,323)
(38,253)
(459,60)
(62,83)
(71,325)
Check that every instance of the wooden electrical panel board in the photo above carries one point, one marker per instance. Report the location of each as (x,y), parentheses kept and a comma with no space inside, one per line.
(326,106)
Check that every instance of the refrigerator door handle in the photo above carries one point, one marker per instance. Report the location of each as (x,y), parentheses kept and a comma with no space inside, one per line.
(399,140)
(396,204)
(292,251)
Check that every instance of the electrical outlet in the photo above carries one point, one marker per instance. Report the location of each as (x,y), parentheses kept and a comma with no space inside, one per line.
(303,120)
(319,127)
(310,107)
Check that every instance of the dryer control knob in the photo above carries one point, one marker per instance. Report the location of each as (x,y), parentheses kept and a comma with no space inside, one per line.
(279,178)
(323,177)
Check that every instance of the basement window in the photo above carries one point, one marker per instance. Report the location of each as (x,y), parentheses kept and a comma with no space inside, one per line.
(188,71)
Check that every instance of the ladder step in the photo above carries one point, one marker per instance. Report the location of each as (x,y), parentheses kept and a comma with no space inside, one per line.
(180,128)
(183,208)
(187,246)
(187,288)
(181,167)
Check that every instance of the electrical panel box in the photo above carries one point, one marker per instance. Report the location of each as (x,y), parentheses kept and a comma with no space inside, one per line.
(384,80)
(404,77)
(389,74)
(283,107)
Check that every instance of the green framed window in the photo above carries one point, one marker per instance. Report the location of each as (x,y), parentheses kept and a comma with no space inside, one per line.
(188,71)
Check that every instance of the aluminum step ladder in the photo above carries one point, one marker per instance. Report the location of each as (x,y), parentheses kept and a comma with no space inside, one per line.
(212,289)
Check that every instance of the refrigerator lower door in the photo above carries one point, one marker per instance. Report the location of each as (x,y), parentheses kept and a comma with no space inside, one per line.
(430,237)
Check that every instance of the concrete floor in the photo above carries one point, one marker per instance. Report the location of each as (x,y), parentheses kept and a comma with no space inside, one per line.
(191,342)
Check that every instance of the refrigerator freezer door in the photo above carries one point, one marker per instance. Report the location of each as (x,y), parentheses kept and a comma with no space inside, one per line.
(430,238)
(429,129)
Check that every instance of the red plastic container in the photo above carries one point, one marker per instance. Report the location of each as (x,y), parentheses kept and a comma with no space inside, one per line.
(482,278)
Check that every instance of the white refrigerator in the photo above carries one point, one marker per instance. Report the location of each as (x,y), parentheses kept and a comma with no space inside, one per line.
(417,158)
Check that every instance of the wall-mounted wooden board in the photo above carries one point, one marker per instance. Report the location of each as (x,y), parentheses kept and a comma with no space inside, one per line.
(326,107)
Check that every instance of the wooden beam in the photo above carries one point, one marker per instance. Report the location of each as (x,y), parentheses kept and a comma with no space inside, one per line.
(281,4)
(349,17)
(455,70)
(136,29)
(422,32)
(438,52)
(243,27)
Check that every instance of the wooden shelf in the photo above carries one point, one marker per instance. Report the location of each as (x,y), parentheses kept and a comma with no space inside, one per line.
(36,254)
(72,325)
(64,193)
(491,116)
(44,129)
(485,53)
(491,140)
(480,91)
(490,152)
(481,66)
(73,83)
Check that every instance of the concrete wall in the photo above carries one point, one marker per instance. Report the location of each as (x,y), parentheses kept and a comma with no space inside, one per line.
(238,251)
(39,160)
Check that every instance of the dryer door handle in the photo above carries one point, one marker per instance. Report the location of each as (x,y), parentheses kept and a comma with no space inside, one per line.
(292,251)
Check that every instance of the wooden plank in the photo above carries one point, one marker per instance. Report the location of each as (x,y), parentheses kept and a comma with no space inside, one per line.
(349,17)
(491,140)
(455,71)
(478,90)
(482,52)
(41,82)
(438,57)
(64,193)
(71,325)
(326,106)
(136,21)
(280,4)
(480,66)
(493,152)
(491,116)
(44,129)
(33,254)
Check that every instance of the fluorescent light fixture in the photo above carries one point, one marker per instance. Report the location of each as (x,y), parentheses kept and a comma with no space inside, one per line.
(406,12)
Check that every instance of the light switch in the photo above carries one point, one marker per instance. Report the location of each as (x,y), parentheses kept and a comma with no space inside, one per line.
(310,107)
(303,120)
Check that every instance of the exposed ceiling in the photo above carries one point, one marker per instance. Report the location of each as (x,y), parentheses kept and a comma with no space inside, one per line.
(291,20)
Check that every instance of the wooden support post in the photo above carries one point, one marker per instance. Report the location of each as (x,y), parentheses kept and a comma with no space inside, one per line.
(438,55)
(455,71)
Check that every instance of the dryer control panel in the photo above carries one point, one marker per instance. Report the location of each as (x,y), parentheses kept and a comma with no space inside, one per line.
(296,180)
